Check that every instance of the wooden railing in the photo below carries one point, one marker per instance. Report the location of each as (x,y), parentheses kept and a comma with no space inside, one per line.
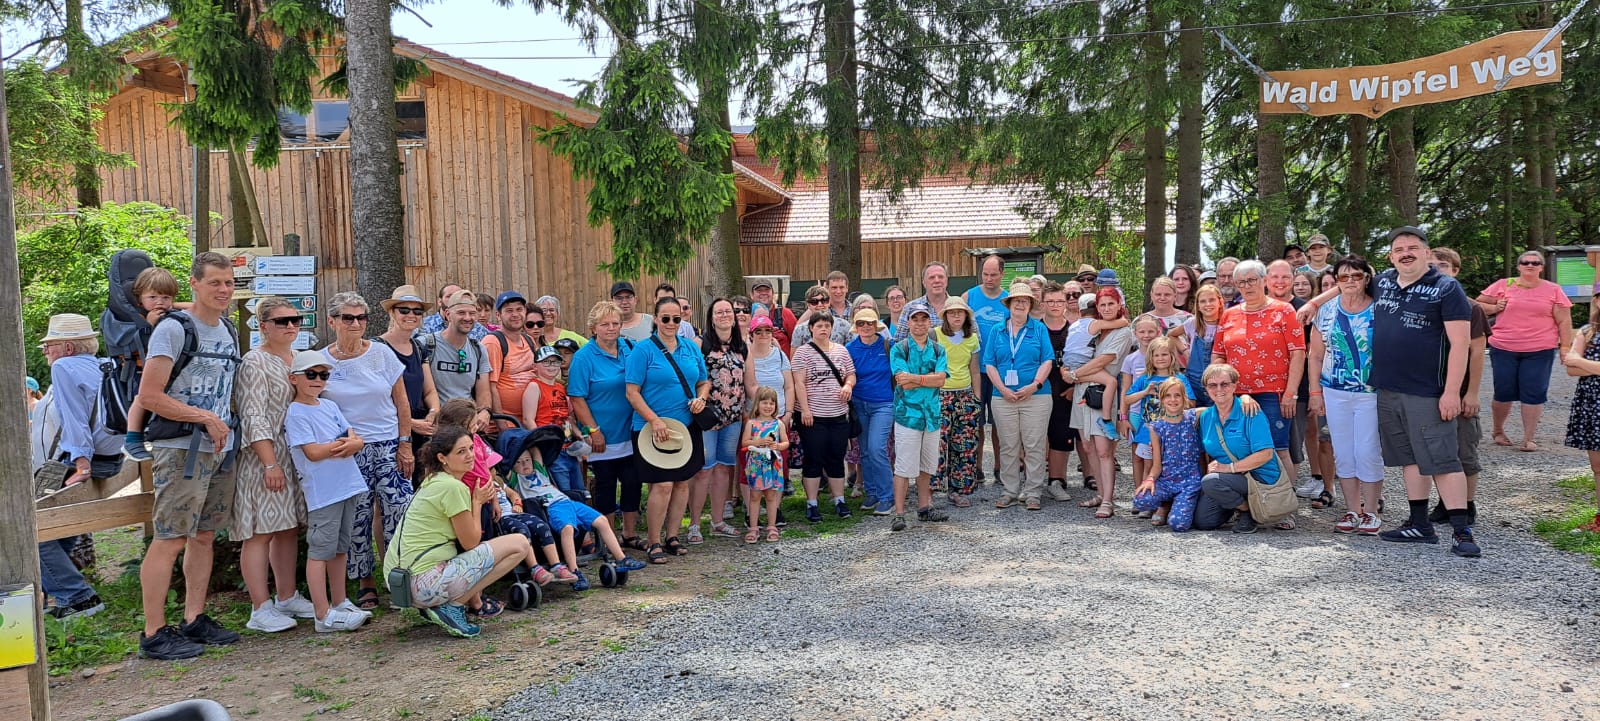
(90,506)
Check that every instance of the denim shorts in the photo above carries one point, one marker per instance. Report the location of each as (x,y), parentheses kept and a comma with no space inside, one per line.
(1522,377)
(1275,420)
(722,446)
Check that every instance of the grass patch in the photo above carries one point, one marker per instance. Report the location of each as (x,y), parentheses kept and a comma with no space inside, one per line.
(1563,531)
(307,693)
(794,511)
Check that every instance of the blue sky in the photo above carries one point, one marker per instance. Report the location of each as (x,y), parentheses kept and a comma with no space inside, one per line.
(488,34)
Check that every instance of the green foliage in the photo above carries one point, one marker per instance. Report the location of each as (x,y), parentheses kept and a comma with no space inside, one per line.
(63,265)
(51,122)
(1565,530)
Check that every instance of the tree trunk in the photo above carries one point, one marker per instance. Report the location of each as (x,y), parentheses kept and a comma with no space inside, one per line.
(380,252)
(727,269)
(239,194)
(1191,148)
(240,172)
(1155,148)
(1532,176)
(1549,115)
(201,159)
(1272,201)
(1403,164)
(1355,191)
(841,127)
(1508,181)
(85,177)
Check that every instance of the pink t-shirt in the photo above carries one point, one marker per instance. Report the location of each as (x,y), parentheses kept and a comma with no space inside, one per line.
(1528,323)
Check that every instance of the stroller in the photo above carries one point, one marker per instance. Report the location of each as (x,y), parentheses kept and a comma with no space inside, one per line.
(510,444)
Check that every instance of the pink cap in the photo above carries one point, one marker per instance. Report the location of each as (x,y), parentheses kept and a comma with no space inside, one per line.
(759,322)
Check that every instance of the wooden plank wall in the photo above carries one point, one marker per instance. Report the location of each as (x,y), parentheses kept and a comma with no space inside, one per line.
(487,206)
(901,259)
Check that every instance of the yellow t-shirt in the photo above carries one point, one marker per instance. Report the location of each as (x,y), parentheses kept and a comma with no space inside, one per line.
(427,524)
(567,334)
(959,356)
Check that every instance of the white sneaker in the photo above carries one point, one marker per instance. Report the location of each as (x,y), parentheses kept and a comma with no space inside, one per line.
(349,607)
(727,511)
(1057,492)
(266,618)
(1347,523)
(1309,488)
(339,620)
(297,606)
(1369,525)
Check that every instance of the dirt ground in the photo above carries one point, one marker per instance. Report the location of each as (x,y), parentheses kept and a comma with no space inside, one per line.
(399,667)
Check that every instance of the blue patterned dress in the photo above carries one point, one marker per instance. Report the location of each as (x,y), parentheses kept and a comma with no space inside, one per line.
(1179,482)
(761,464)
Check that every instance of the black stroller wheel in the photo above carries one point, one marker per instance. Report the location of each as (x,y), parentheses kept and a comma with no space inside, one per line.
(608,575)
(622,578)
(519,598)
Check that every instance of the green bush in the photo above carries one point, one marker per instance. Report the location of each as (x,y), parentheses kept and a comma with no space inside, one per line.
(63,265)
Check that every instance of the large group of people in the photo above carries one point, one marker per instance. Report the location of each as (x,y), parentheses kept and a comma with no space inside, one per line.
(477,437)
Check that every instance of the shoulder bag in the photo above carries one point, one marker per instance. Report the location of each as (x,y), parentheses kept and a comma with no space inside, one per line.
(1269,502)
(850,412)
(706,419)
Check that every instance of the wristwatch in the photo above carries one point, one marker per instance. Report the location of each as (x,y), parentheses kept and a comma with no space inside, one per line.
(405,439)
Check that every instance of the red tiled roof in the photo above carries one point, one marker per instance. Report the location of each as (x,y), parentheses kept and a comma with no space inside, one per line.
(946,211)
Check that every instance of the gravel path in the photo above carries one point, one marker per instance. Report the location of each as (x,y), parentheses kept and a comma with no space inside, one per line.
(1047,615)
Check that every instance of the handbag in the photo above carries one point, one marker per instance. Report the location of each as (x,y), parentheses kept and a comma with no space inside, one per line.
(850,413)
(52,475)
(1269,502)
(706,419)
(1094,396)
(399,578)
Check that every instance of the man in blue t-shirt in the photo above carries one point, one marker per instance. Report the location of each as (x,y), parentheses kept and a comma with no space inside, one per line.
(1420,337)
(988,303)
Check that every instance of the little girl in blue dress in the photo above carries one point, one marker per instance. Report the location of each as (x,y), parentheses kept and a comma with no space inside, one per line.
(1174,473)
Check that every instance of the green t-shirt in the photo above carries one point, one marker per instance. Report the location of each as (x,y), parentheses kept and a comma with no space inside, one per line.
(427,524)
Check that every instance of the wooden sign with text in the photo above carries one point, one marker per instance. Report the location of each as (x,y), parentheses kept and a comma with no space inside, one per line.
(1373,90)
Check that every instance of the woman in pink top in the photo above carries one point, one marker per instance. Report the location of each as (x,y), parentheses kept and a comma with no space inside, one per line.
(1533,320)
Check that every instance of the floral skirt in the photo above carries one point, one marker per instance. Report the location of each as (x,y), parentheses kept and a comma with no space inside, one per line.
(958,446)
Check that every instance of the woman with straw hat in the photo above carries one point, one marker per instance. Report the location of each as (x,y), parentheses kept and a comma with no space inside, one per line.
(1017,359)
(957,333)
(406,310)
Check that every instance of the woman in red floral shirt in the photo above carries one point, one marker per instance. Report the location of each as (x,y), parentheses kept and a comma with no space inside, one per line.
(1262,339)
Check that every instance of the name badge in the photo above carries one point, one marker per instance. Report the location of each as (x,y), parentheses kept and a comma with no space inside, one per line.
(1011,377)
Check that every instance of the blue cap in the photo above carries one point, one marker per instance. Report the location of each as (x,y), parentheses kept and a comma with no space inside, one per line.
(1107,277)
(33,385)
(507,297)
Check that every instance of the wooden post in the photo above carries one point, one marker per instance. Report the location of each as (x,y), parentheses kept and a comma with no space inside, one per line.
(202,199)
(19,553)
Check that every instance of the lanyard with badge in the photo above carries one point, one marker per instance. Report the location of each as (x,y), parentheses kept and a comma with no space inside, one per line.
(1016,342)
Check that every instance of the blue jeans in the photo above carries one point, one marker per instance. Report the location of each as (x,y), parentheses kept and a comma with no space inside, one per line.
(60,579)
(564,473)
(877,422)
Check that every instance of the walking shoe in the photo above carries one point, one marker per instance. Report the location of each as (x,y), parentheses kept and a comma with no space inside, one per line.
(1348,523)
(297,606)
(339,619)
(582,584)
(727,511)
(885,508)
(562,574)
(349,607)
(204,630)
(266,618)
(1110,429)
(932,515)
(869,502)
(1369,525)
(85,608)
(452,617)
(542,576)
(168,644)
(1408,533)
(1309,488)
(137,451)
(898,524)
(1465,546)
(1058,491)
(1439,514)
(1245,524)
(813,513)
(840,508)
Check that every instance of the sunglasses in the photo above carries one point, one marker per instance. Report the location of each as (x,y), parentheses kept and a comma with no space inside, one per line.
(461,362)
(1074,296)
(346,317)
(285,321)
(741,309)
(669,319)
(317,375)
(535,324)
(1530,263)
(409,310)
(865,323)
(1342,277)
(816,301)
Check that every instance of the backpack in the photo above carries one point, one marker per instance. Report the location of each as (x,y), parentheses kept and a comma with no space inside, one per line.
(505,346)
(159,428)
(127,334)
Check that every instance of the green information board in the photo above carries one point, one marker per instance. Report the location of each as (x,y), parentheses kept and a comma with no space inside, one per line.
(1015,269)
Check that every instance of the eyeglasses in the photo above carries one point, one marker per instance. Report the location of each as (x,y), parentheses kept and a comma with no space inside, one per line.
(669,319)
(1342,277)
(1247,282)
(317,375)
(346,317)
(741,309)
(1219,385)
(409,310)
(1530,263)
(1055,302)
(285,321)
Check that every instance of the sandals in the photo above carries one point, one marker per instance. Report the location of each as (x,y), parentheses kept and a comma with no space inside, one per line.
(489,609)
(1501,439)
(772,534)
(694,538)
(1089,484)
(1528,447)
(752,535)
(1006,502)
(959,501)
(1090,502)
(655,554)
(1323,500)
(1158,520)
(723,529)
(367,598)
(675,547)
(1106,510)
(634,542)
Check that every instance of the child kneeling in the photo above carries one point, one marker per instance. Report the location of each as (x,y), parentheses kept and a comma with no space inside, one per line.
(324,446)
(1174,473)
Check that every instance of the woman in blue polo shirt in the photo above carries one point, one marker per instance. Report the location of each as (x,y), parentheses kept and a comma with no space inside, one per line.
(656,392)
(1017,359)
(873,400)
(1237,444)
(599,395)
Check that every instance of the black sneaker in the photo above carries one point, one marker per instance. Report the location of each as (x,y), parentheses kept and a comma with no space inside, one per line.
(86,608)
(813,513)
(931,515)
(1245,524)
(1408,533)
(204,630)
(1439,514)
(1465,546)
(898,524)
(168,645)
(841,508)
